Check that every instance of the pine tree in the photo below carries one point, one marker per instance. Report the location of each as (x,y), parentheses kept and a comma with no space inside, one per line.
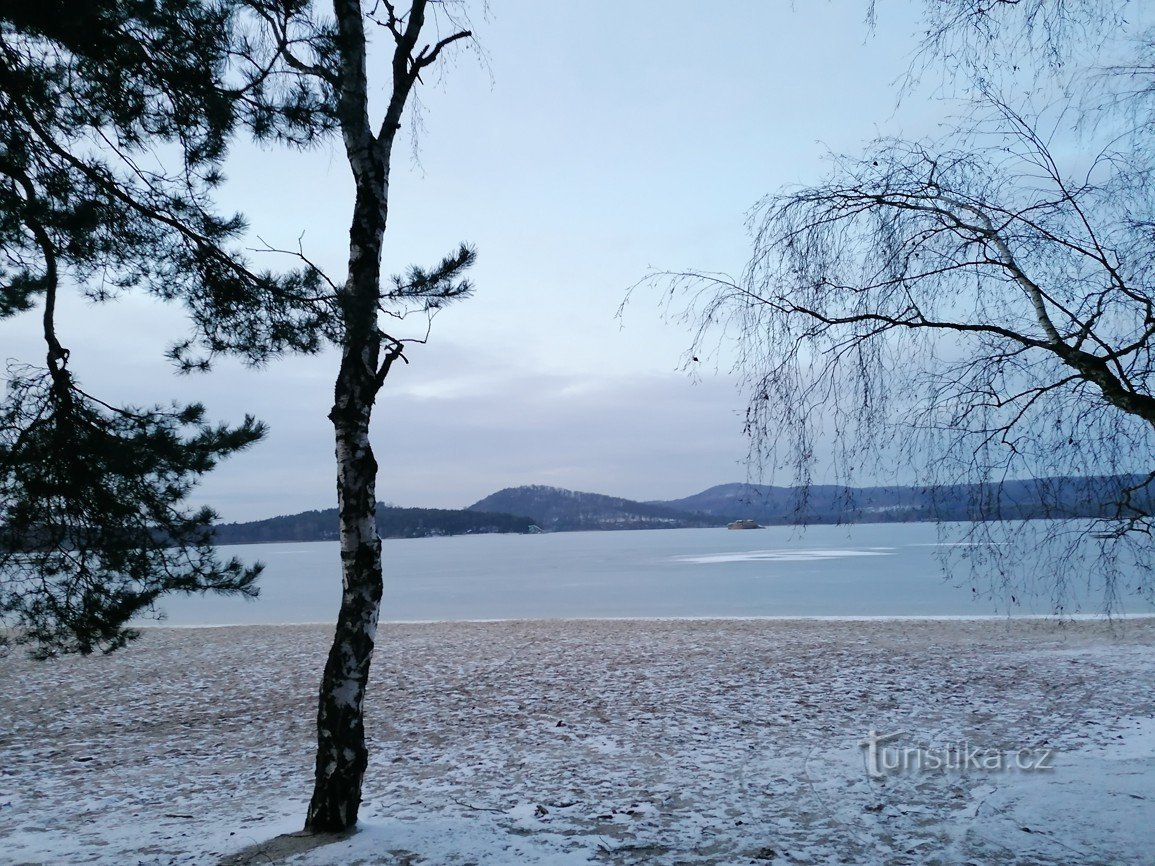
(91,493)
(94,527)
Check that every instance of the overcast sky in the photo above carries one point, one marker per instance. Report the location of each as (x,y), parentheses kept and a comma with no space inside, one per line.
(600,140)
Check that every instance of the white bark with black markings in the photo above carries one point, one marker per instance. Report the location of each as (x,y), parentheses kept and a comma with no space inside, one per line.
(341,752)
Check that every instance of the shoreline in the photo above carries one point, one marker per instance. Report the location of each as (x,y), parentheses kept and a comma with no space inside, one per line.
(992,617)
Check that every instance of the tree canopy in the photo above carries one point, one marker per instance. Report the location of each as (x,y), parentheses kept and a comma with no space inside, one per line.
(114,119)
(95,528)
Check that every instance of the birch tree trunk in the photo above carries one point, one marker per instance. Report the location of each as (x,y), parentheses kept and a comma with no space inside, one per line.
(342,756)
(341,753)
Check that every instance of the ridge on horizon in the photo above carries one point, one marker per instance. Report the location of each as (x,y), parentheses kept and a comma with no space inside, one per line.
(527,508)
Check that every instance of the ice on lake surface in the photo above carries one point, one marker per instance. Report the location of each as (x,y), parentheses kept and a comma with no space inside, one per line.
(784,555)
(863,570)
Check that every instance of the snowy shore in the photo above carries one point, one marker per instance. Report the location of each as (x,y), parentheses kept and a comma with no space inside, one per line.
(617,742)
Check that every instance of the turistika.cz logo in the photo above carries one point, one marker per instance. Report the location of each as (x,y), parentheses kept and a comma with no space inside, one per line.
(882,759)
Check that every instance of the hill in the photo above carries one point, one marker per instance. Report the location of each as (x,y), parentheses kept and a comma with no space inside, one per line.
(561,510)
(392,522)
(1010,500)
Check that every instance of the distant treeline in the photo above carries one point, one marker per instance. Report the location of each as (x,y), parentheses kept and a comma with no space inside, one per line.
(559,510)
(1022,499)
(391,523)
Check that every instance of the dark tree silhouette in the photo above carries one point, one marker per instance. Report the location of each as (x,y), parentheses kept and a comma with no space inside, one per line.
(90,498)
(95,528)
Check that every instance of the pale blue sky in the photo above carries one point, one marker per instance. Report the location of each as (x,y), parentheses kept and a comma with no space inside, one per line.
(601,140)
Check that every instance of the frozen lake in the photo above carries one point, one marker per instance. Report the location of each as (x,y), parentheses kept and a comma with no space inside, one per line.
(861,570)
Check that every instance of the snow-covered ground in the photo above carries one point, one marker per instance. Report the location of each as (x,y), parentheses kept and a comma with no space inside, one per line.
(616,742)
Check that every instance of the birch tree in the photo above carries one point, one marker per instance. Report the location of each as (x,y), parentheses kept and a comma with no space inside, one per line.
(334,58)
(367,355)
(976,307)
